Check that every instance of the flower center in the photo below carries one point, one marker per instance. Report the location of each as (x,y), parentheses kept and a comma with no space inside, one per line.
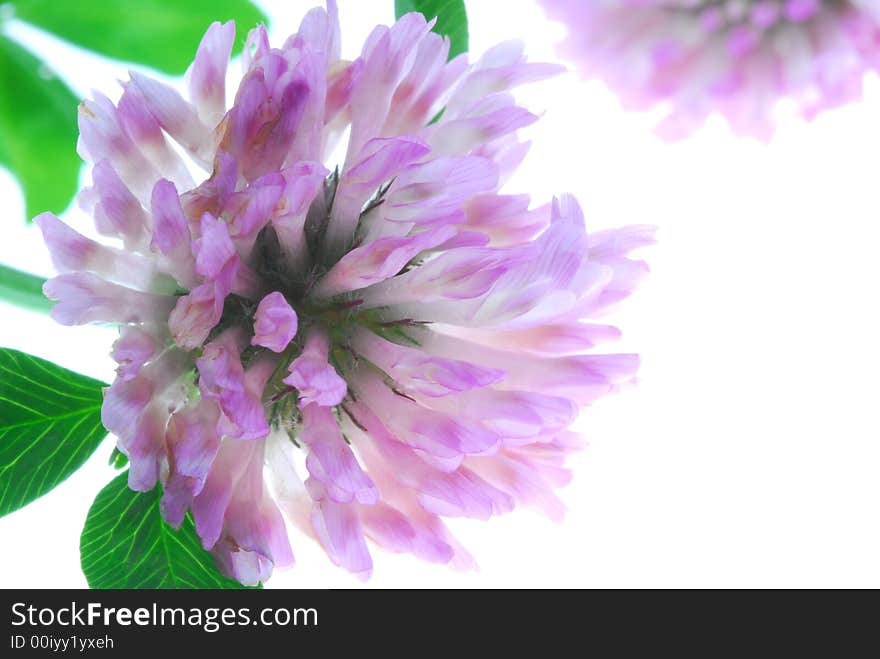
(335,317)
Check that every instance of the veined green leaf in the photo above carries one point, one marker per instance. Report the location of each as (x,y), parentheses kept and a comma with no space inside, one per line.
(451,19)
(126,544)
(37,130)
(50,423)
(163,34)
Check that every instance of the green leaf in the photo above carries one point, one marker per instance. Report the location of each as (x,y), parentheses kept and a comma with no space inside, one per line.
(37,130)
(126,544)
(118,459)
(163,34)
(50,423)
(23,290)
(451,19)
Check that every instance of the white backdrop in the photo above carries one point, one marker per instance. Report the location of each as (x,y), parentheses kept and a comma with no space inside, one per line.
(747,454)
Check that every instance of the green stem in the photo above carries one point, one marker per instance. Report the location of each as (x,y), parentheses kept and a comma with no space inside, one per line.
(23,290)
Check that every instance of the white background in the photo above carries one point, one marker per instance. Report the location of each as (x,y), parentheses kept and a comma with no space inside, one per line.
(746,456)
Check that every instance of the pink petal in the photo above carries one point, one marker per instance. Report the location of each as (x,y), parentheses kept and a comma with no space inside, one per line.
(331,461)
(378,260)
(314,378)
(177,117)
(102,137)
(223,378)
(420,372)
(134,347)
(198,312)
(171,234)
(378,161)
(71,252)
(275,323)
(437,434)
(117,211)
(147,134)
(339,530)
(395,532)
(213,249)
(86,298)
(193,442)
(206,77)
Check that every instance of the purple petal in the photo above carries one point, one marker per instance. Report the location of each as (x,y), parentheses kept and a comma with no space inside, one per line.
(102,137)
(378,260)
(134,347)
(331,461)
(117,211)
(170,229)
(339,530)
(275,323)
(379,160)
(192,442)
(207,75)
(395,532)
(314,378)
(177,117)
(422,372)
(86,298)
(213,249)
(147,134)
(72,252)
(197,313)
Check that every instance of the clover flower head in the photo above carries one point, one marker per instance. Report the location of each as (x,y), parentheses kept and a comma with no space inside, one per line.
(359,348)
(735,57)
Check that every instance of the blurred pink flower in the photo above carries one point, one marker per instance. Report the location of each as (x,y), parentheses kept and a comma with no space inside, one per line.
(735,57)
(395,331)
